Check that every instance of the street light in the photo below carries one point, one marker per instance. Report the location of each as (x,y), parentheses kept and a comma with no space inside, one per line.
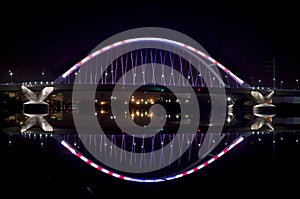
(228,85)
(297,83)
(11,75)
(43,75)
(281,82)
(259,82)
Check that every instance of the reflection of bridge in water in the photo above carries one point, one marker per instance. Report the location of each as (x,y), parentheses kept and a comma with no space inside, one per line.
(141,151)
(153,68)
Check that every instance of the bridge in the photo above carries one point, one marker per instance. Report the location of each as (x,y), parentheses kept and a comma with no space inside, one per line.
(154,61)
(161,66)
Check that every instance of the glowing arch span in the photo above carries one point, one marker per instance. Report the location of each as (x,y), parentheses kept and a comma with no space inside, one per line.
(168,178)
(143,39)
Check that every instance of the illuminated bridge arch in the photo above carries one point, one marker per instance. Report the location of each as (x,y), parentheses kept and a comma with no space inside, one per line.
(117,62)
(166,62)
(190,162)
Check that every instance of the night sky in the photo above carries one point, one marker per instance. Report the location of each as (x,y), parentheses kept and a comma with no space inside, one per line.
(243,36)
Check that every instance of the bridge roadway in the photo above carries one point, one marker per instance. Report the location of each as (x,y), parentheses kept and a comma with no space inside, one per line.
(235,126)
(15,87)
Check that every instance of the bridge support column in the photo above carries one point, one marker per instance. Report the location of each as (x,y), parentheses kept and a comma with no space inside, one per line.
(36,109)
(264,110)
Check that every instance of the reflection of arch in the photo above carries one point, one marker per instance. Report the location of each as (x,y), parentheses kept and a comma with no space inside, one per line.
(168,178)
(186,48)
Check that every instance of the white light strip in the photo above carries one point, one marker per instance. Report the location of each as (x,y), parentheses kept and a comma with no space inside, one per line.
(105,171)
(83,158)
(211,160)
(190,171)
(94,165)
(235,143)
(220,154)
(116,175)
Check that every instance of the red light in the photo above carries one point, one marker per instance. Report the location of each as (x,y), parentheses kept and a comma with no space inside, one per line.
(199,89)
